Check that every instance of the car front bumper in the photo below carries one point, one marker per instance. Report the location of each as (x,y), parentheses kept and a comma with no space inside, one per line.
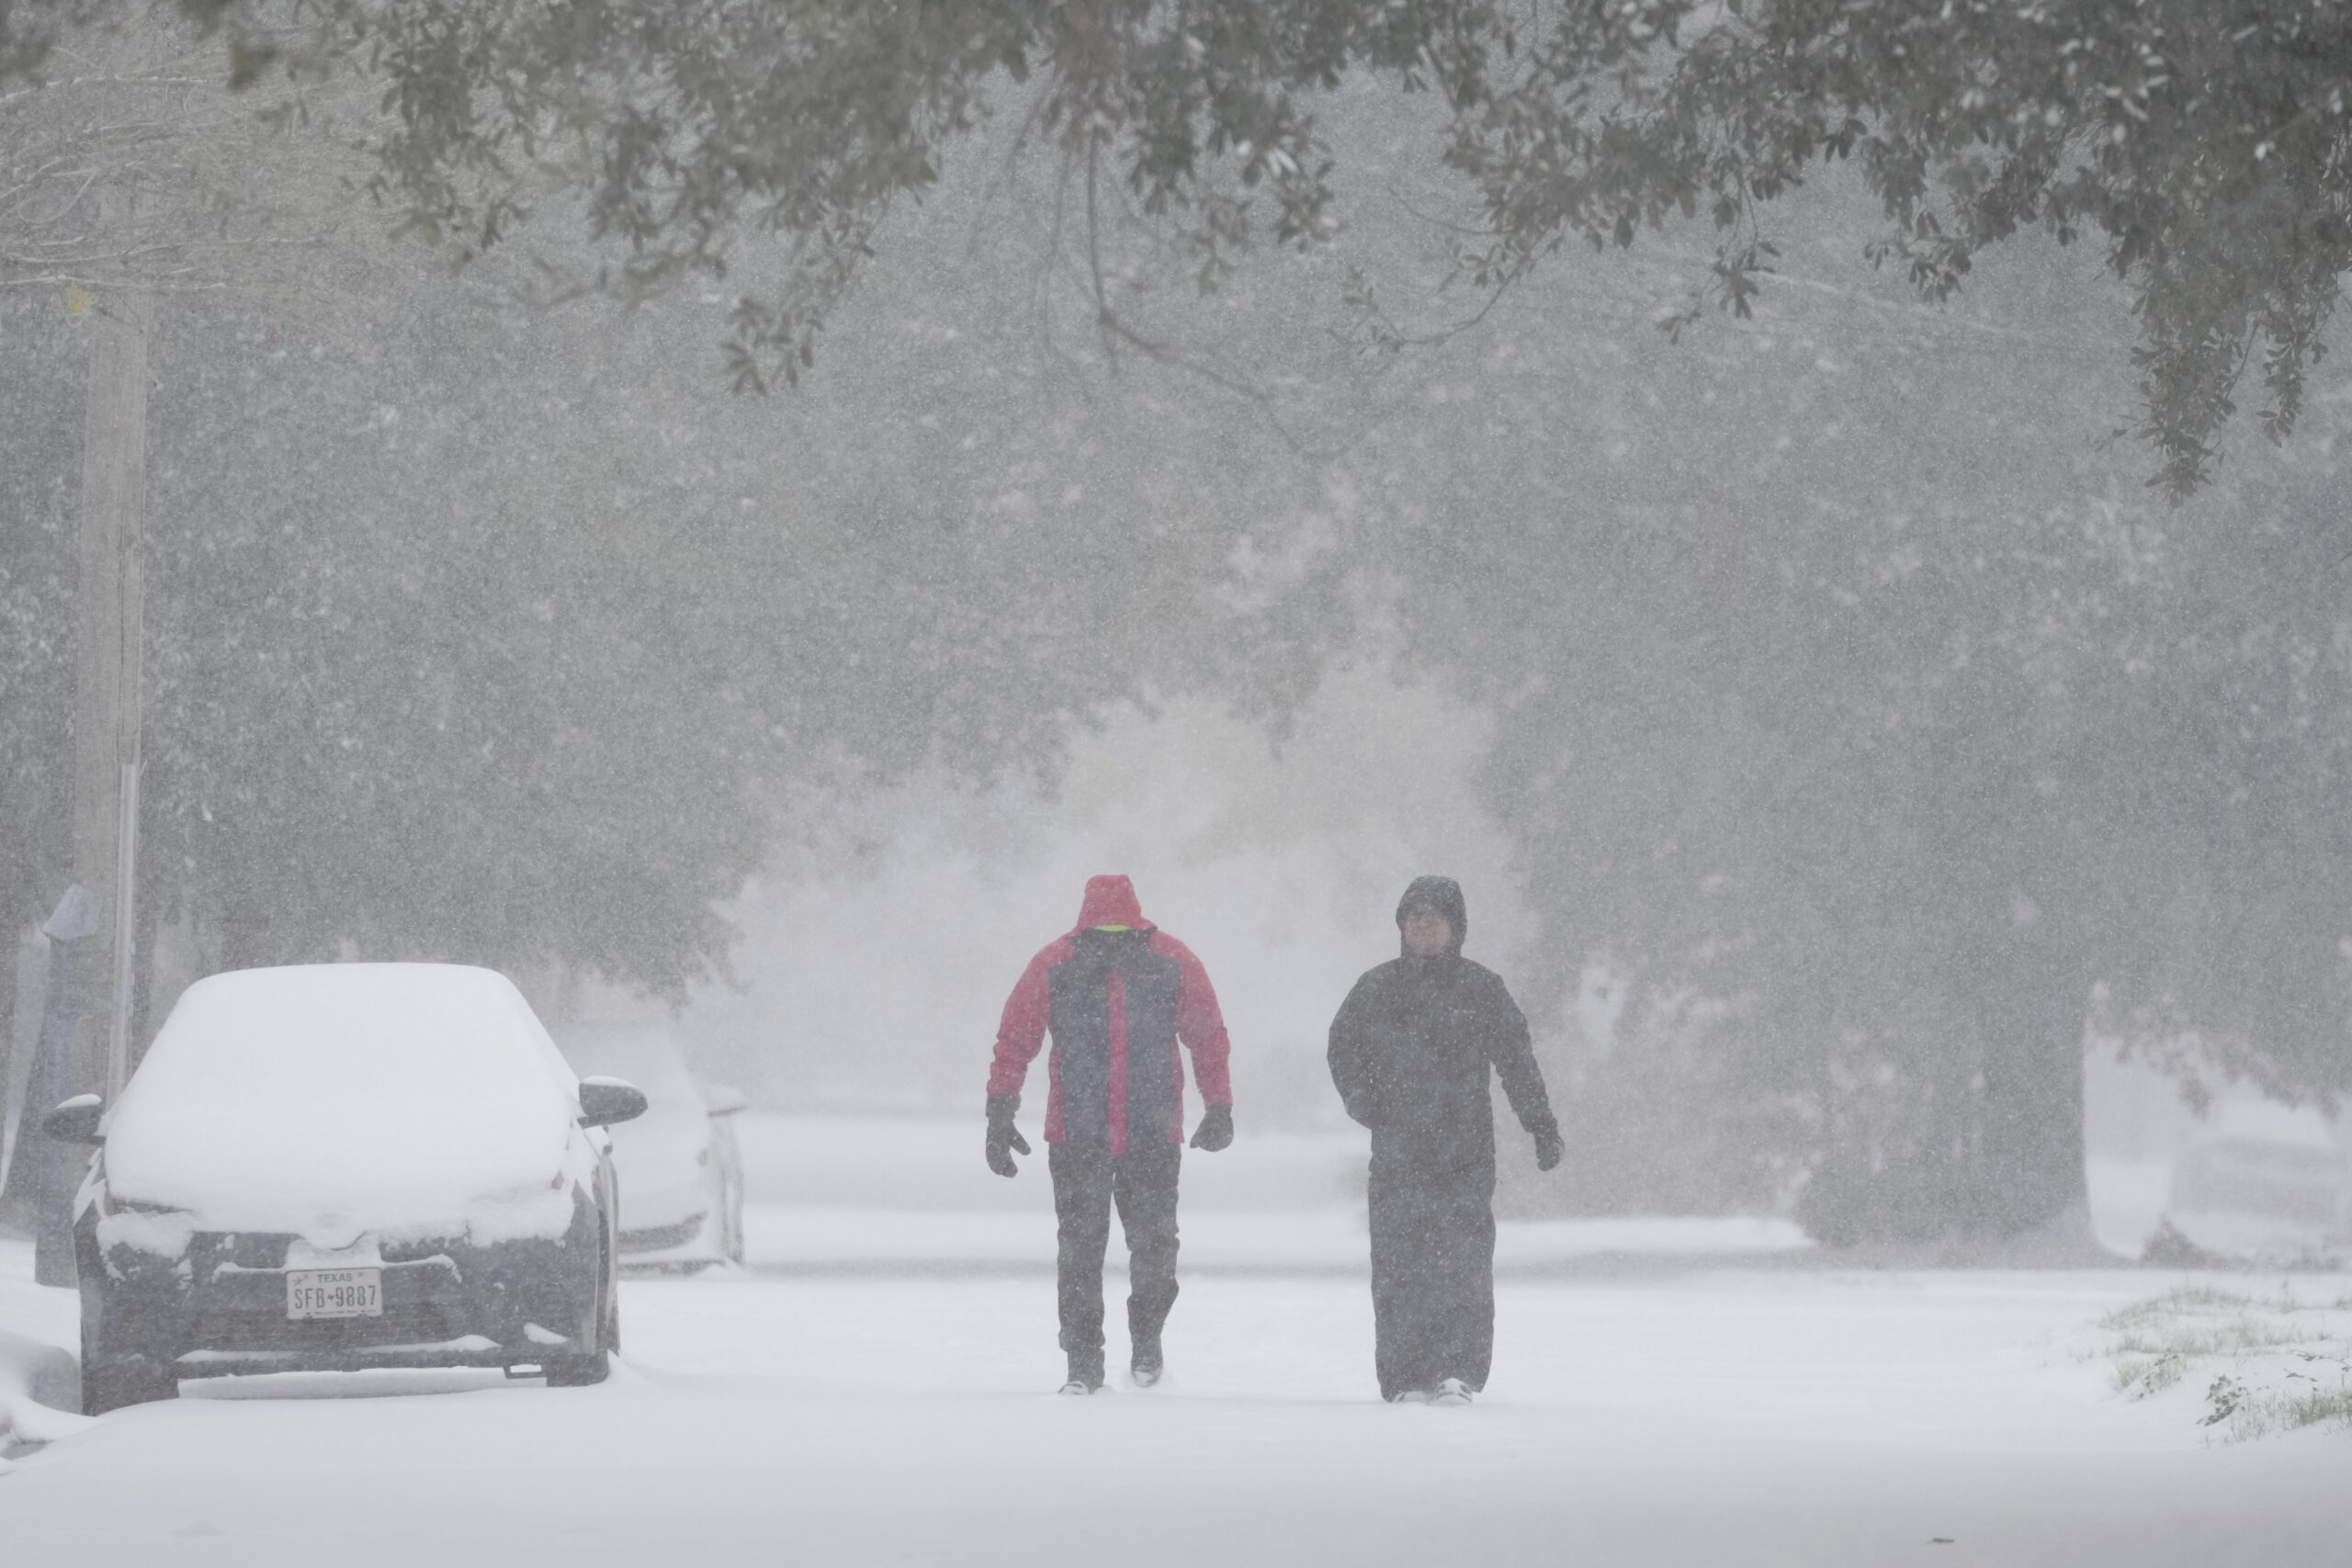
(222,1308)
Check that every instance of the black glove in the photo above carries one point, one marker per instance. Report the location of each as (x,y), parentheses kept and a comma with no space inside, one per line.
(1215,1130)
(1003,1137)
(1550,1148)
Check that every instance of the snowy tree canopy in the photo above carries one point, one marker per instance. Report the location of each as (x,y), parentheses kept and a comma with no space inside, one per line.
(2202,146)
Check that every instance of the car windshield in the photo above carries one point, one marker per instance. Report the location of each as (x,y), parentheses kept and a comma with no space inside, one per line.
(388,1097)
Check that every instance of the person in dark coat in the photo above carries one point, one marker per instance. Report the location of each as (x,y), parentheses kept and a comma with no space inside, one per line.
(1411,1052)
(1118,995)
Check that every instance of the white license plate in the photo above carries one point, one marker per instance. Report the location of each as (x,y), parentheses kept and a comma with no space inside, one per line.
(334,1292)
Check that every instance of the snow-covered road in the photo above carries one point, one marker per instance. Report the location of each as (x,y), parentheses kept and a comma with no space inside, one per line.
(1802,1417)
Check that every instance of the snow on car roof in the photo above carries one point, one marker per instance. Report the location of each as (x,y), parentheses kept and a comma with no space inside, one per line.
(383,1096)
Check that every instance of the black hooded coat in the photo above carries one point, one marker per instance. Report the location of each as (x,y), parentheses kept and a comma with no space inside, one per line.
(1410,1052)
(1413,1045)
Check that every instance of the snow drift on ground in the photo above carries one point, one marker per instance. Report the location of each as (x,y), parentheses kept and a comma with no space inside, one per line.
(39,1333)
(39,1387)
(1794,1419)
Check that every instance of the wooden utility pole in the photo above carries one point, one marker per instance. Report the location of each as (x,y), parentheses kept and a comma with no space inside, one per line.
(108,638)
(109,633)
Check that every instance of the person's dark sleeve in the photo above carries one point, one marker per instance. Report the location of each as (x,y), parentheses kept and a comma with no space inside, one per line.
(1513,1054)
(1349,1054)
(1199,1022)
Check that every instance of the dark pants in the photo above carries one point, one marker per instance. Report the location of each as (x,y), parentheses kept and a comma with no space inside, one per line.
(1433,1277)
(1142,1182)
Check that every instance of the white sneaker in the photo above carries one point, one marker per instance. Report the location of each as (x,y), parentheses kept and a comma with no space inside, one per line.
(1410,1396)
(1451,1391)
(1078,1385)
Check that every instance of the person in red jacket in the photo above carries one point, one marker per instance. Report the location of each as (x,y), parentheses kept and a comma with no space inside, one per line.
(1118,995)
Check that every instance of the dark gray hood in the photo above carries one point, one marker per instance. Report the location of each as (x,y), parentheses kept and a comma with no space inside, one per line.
(1441,894)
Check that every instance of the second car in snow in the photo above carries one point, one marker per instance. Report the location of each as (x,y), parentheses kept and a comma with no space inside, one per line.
(681,1172)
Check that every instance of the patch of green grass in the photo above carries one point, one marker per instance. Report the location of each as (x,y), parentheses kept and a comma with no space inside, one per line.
(2300,1399)
(2172,1305)
(2280,1364)
(2151,1362)
(2318,1406)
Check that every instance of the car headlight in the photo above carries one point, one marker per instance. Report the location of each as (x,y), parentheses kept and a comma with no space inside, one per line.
(156,1231)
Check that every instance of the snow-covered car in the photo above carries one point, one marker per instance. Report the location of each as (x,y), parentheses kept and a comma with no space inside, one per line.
(2267,1181)
(347,1166)
(681,1172)
(2297,1183)
(2255,1197)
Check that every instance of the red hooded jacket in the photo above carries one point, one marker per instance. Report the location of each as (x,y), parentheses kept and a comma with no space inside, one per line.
(1118,996)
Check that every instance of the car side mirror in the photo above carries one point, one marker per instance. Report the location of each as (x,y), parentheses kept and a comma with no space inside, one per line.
(75,1121)
(719,1100)
(603,1101)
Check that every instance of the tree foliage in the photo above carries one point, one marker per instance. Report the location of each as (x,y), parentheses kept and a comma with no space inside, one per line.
(2202,146)
(126,163)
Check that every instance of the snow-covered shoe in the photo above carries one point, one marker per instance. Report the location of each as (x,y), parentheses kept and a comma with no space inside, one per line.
(1148,1365)
(1450,1390)
(1085,1373)
(1410,1396)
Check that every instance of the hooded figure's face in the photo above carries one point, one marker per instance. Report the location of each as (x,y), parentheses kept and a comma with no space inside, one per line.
(1433,918)
(1427,933)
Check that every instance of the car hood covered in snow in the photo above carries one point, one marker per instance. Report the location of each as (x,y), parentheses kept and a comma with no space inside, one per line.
(336,1099)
